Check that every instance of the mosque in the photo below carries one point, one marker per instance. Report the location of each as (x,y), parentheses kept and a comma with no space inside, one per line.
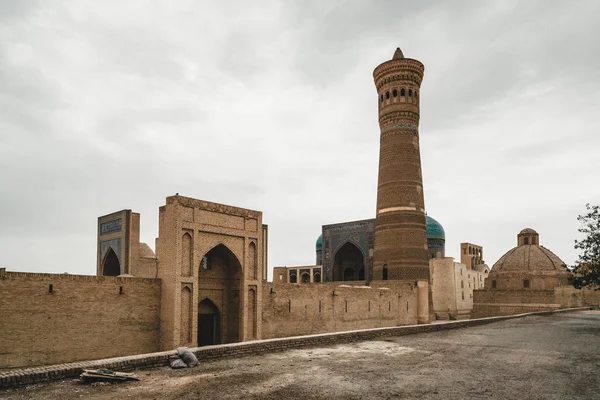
(206,283)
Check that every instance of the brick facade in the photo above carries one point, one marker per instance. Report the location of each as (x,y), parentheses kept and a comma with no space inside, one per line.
(400,229)
(55,318)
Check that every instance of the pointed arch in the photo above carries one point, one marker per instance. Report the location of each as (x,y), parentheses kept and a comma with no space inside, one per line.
(186,254)
(221,253)
(209,323)
(185,331)
(348,262)
(253,261)
(251,326)
(224,274)
(111,265)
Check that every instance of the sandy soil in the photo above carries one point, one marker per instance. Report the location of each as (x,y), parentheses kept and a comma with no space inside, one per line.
(542,357)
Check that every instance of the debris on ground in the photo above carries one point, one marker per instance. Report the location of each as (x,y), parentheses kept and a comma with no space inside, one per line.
(184,358)
(105,375)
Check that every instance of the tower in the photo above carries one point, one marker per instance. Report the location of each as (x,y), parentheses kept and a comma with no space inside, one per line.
(400,228)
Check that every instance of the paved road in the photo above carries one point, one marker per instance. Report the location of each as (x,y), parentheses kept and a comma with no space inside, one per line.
(541,357)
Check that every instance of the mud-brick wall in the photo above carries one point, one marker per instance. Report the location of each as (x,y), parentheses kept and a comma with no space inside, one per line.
(491,303)
(76,318)
(302,309)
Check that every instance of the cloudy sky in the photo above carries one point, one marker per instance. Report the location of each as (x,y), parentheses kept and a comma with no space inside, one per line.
(270,105)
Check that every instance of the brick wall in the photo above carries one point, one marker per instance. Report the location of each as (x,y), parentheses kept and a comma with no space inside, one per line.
(290,310)
(489,303)
(85,318)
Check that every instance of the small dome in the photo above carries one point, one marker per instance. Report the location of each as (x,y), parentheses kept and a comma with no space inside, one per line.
(434,229)
(320,242)
(146,251)
(528,231)
(529,258)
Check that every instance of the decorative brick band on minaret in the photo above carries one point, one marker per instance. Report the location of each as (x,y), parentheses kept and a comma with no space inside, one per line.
(400,229)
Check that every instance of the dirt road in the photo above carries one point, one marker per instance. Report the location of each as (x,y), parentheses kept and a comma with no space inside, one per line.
(541,357)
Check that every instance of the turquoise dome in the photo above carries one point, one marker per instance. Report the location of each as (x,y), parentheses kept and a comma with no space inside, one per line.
(434,229)
(320,242)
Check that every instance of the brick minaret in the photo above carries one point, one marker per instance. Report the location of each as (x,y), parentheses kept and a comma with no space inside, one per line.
(400,229)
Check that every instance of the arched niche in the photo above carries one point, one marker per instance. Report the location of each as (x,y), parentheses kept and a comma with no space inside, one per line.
(111,265)
(348,263)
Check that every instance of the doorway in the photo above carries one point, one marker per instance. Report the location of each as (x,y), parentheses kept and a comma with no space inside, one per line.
(209,323)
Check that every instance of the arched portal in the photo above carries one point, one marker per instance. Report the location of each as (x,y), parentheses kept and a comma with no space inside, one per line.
(348,263)
(209,323)
(219,278)
(111,265)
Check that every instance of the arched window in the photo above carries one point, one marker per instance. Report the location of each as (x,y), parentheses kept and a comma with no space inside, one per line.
(206,263)
(293,276)
(305,277)
(387,95)
(526,283)
(409,92)
(385,272)
(526,240)
(317,277)
(395,93)
(402,92)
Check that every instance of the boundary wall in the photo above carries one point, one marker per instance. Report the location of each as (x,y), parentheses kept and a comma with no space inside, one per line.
(21,377)
(55,318)
(294,310)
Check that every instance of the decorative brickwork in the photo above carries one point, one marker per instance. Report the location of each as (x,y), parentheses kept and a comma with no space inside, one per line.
(359,233)
(400,230)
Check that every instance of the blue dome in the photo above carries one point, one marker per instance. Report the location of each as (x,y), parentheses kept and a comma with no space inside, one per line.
(320,242)
(434,229)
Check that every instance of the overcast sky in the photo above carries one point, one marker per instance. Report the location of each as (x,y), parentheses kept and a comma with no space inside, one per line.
(270,105)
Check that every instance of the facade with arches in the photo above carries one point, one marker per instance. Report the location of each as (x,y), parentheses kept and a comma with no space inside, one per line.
(211,269)
(346,251)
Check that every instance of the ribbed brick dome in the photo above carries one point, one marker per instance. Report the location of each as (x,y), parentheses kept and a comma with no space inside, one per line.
(529,258)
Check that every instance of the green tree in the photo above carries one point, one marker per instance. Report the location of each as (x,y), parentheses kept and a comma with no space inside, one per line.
(587,270)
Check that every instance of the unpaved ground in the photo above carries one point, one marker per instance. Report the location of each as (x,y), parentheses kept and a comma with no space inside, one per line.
(542,357)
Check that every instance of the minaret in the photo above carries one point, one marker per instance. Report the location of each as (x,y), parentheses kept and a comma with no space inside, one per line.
(400,228)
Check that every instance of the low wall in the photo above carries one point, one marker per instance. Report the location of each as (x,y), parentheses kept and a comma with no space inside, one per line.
(297,309)
(28,376)
(495,302)
(55,318)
